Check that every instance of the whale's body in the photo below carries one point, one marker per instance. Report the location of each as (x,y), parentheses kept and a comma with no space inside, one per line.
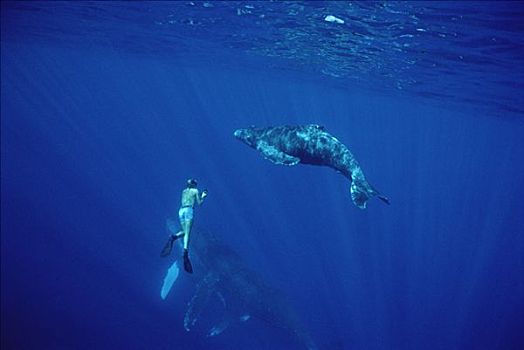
(242,294)
(310,144)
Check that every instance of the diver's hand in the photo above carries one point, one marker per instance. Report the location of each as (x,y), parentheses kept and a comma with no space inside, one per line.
(204,194)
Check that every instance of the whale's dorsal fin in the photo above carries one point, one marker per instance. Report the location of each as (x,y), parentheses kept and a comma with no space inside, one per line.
(275,155)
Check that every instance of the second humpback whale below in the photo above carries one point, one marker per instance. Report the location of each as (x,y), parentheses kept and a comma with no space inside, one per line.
(310,144)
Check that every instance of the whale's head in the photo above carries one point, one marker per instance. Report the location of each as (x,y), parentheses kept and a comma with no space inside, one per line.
(249,136)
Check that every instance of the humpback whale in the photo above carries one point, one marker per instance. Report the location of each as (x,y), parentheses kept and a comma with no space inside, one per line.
(241,293)
(310,144)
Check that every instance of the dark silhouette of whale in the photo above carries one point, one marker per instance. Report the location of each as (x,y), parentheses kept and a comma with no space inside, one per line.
(310,144)
(242,293)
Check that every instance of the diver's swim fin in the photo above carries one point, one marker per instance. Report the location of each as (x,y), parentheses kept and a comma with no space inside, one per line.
(169,246)
(187,263)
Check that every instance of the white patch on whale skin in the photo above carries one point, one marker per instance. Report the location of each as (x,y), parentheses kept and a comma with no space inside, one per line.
(216,330)
(304,135)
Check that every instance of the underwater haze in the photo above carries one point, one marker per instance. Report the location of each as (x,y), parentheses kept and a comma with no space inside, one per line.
(107,108)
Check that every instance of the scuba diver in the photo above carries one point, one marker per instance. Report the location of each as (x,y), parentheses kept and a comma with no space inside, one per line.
(190,196)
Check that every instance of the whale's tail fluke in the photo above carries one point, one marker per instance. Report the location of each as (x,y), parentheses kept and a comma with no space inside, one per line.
(361,191)
(383,198)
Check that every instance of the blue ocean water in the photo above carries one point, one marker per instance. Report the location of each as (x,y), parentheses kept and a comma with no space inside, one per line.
(108,107)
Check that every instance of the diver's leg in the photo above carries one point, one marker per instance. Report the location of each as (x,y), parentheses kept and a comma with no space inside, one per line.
(186,226)
(187,230)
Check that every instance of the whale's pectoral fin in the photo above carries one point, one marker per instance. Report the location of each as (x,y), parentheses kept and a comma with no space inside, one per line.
(275,155)
(169,280)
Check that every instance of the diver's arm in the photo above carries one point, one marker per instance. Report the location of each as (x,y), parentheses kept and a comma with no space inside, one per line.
(200,197)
